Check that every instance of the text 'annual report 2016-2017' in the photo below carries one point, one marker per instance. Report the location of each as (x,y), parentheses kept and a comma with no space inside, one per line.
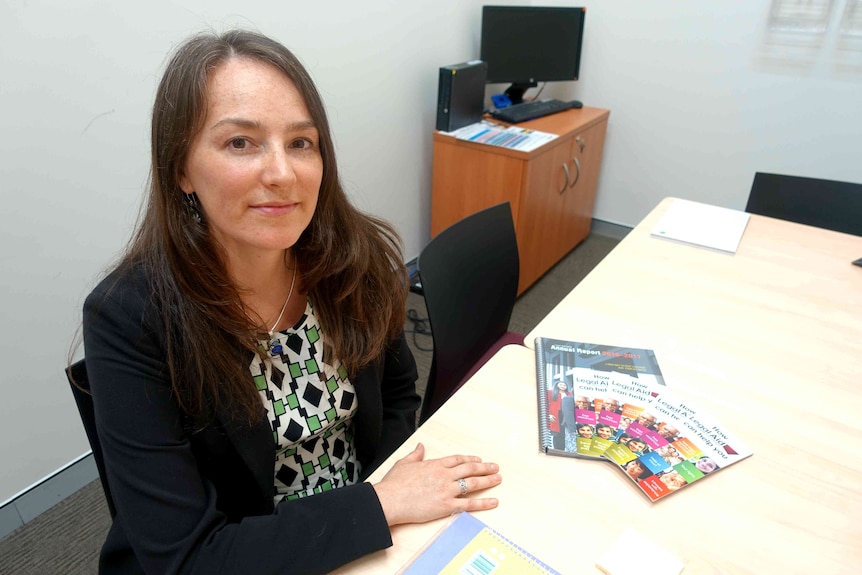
(611,403)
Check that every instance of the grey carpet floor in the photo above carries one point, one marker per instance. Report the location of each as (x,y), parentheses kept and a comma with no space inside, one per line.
(65,540)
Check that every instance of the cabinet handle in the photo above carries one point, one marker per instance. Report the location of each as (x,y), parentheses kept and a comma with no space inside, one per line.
(568,177)
(581,142)
(578,175)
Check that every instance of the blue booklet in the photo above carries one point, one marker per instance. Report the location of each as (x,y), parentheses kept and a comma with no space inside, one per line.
(467,546)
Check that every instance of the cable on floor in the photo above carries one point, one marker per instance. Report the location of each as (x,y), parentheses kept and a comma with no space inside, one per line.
(420,326)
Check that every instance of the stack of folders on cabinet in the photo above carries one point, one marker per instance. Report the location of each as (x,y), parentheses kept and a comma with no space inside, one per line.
(612,404)
(467,546)
(512,137)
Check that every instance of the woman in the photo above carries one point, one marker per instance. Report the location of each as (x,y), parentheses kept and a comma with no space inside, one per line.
(585,430)
(246,358)
(604,431)
(555,415)
(705,465)
(637,446)
(636,470)
(568,424)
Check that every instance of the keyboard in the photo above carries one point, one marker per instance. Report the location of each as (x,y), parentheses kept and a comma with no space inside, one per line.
(517,113)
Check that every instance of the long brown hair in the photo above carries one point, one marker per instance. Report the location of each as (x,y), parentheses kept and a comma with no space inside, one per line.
(351,263)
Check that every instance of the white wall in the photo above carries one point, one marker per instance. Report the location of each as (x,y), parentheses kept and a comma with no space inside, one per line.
(76,86)
(701,96)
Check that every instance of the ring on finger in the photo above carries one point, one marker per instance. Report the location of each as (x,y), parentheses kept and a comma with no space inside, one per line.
(462,485)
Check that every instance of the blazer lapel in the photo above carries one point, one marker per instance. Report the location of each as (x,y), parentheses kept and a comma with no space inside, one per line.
(256,448)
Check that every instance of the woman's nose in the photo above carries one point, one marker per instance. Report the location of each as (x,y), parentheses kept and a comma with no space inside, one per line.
(278,169)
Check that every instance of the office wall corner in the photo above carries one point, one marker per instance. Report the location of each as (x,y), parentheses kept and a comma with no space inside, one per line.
(616,231)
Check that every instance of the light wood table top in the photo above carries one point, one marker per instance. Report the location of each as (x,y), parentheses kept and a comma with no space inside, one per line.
(768,340)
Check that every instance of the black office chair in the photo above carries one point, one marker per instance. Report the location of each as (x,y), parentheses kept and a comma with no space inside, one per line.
(77,374)
(825,204)
(469,275)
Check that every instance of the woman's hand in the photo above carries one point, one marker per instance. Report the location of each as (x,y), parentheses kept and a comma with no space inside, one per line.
(416,490)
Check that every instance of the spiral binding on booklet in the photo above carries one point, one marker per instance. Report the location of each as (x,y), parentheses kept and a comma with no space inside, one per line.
(544,433)
(522,553)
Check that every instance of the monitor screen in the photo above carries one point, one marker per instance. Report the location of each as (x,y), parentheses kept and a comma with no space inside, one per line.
(525,45)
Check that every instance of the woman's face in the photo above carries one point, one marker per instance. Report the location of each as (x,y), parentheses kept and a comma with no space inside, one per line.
(256,164)
(636,445)
(561,385)
(634,469)
(585,431)
(604,431)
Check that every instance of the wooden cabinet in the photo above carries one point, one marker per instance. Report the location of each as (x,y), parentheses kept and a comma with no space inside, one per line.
(551,189)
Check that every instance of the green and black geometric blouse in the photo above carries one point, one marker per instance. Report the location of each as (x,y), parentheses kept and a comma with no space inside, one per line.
(310,406)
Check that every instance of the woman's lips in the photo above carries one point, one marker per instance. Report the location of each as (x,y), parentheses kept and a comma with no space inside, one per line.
(274,209)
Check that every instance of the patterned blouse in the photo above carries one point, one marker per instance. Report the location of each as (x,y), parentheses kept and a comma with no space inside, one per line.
(310,405)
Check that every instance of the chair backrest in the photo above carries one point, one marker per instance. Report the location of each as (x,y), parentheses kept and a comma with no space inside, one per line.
(77,376)
(825,204)
(469,275)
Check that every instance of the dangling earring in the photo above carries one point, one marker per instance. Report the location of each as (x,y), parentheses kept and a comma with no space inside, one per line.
(193,207)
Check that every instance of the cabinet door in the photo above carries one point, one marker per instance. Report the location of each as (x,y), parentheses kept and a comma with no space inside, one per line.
(587,146)
(557,202)
(467,179)
(543,225)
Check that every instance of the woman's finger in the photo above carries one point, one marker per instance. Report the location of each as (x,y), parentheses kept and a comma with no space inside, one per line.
(463,487)
(477,504)
(469,485)
(418,453)
(456,460)
(475,469)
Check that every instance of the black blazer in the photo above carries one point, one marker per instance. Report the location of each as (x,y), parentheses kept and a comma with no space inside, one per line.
(192,501)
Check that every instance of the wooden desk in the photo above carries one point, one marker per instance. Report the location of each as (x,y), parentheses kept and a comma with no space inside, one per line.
(768,340)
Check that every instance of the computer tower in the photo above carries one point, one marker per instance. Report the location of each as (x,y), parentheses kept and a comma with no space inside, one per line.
(461,95)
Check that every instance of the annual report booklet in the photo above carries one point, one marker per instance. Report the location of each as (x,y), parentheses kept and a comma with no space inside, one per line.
(467,546)
(611,403)
(589,393)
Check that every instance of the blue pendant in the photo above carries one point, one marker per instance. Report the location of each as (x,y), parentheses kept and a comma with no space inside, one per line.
(275,348)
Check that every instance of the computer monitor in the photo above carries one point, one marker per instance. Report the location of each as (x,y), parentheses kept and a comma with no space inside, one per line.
(525,45)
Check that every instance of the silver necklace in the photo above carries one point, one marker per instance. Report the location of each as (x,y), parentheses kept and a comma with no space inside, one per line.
(274,347)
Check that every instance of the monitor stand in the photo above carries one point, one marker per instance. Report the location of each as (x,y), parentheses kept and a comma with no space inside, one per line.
(515,92)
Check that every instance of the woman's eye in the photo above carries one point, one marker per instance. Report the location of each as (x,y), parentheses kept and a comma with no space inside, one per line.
(238,143)
(303,144)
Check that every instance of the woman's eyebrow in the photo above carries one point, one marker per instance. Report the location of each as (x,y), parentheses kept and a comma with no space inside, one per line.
(255,124)
(241,122)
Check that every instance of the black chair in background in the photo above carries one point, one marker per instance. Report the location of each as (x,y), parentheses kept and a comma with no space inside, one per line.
(77,376)
(825,204)
(469,275)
